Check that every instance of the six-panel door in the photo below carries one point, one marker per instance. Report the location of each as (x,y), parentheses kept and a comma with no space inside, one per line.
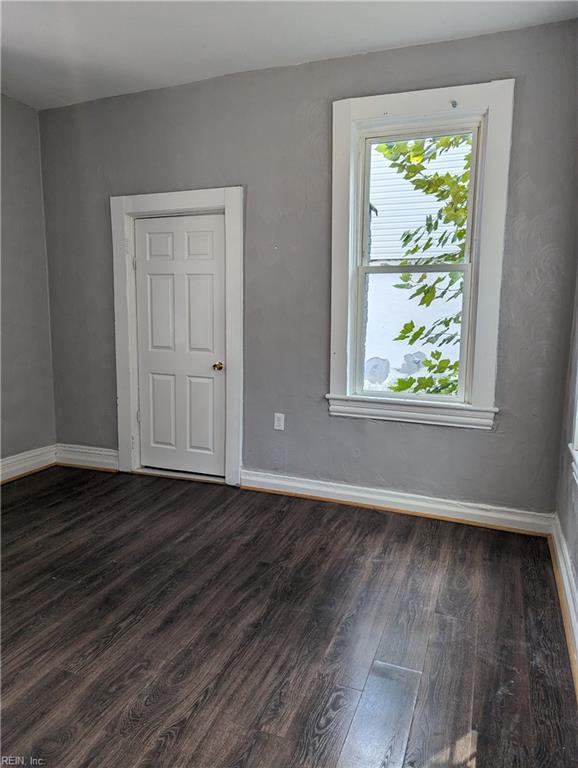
(180,275)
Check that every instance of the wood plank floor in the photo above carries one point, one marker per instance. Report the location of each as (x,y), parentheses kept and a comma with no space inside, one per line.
(155,622)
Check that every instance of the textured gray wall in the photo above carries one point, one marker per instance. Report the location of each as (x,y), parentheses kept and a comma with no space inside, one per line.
(270,131)
(27,389)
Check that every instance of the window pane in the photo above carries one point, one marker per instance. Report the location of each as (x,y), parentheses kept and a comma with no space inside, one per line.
(412,347)
(418,198)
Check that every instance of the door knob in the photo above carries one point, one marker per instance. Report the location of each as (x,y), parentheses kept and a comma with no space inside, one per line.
(218,366)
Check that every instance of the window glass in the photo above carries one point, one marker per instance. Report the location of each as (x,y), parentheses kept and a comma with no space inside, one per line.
(410,347)
(418,198)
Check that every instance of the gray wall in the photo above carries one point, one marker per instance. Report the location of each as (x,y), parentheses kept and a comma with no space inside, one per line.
(270,131)
(27,389)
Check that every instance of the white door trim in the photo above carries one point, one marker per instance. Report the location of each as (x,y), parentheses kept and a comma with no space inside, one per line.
(124,210)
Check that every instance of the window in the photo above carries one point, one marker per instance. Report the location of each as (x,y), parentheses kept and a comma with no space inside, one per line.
(419,204)
(573,445)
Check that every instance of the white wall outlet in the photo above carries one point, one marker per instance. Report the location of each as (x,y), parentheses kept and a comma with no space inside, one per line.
(279,421)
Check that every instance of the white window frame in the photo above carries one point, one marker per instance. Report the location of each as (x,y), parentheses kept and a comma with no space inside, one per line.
(487,109)
(365,266)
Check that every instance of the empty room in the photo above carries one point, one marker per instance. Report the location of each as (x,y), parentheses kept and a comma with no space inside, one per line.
(289,384)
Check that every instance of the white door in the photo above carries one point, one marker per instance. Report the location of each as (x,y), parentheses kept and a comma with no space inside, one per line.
(180,276)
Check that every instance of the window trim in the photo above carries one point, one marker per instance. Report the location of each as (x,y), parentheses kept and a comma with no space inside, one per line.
(354,121)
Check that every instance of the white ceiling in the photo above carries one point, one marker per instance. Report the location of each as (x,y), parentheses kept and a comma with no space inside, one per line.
(57,53)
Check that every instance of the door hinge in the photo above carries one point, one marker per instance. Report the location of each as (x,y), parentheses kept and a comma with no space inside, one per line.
(138,417)
(134,263)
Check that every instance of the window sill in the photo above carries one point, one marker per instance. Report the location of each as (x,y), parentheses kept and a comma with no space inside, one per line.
(416,412)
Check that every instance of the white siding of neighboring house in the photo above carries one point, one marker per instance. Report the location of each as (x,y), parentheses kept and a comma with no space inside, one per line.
(401,207)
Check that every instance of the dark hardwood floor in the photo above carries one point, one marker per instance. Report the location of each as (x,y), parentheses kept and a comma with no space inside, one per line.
(154,622)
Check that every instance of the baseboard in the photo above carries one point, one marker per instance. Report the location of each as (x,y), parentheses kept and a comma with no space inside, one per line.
(568,592)
(504,518)
(376,498)
(86,456)
(24,463)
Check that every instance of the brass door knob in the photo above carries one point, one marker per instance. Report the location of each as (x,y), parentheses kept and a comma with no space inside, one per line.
(218,366)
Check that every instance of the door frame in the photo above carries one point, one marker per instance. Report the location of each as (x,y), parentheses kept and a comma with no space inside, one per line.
(124,210)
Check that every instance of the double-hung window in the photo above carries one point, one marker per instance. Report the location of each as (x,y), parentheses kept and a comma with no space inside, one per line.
(419,206)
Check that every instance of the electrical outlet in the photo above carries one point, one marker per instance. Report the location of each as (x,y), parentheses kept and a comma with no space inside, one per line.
(279,421)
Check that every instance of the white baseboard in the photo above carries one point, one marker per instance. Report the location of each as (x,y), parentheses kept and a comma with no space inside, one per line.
(428,506)
(74,455)
(460,511)
(28,461)
(86,456)
(568,588)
